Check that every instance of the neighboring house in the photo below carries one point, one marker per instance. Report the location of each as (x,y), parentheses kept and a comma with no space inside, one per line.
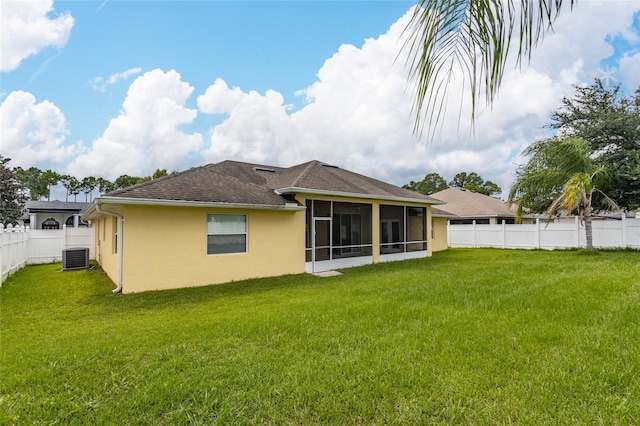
(469,206)
(233,221)
(53,214)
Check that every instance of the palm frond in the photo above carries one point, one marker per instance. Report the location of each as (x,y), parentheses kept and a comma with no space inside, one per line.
(471,37)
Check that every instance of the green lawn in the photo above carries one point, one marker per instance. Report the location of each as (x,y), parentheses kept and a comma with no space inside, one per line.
(466,337)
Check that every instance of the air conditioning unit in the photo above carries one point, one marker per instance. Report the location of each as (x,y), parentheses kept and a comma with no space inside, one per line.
(75,258)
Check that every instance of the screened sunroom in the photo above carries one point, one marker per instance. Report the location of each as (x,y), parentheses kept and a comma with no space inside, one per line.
(403,232)
(340,234)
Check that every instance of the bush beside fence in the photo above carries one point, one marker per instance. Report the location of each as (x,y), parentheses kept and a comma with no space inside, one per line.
(20,246)
(608,234)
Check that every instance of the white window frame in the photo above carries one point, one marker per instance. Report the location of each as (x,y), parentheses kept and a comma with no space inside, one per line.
(245,234)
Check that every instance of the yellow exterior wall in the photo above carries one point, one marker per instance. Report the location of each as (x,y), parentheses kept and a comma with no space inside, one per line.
(439,241)
(166,247)
(105,228)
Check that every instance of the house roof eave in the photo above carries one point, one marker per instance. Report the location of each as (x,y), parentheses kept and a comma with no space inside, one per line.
(91,210)
(310,191)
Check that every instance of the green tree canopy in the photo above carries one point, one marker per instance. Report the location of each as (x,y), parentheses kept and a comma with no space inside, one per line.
(37,182)
(12,197)
(610,123)
(474,182)
(125,180)
(159,173)
(105,185)
(88,185)
(431,183)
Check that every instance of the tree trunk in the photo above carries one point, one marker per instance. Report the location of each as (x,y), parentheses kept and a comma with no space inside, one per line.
(588,229)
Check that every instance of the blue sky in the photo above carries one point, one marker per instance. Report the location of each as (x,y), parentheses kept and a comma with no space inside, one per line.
(113,87)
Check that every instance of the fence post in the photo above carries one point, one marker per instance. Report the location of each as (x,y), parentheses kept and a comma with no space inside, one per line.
(504,234)
(538,233)
(474,234)
(25,246)
(1,244)
(577,228)
(64,236)
(624,230)
(9,231)
(448,234)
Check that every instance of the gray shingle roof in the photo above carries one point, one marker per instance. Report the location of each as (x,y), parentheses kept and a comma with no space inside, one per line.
(49,206)
(246,183)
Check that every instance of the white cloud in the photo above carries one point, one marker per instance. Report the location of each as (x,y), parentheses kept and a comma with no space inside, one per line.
(27,29)
(101,83)
(32,133)
(145,136)
(357,114)
(630,70)
(358,111)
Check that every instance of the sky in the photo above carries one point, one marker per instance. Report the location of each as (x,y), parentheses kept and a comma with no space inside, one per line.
(106,88)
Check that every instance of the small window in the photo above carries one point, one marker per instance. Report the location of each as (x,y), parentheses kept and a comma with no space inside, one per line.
(226,233)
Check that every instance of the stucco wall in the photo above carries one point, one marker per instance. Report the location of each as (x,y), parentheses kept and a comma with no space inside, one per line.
(439,241)
(166,247)
(105,228)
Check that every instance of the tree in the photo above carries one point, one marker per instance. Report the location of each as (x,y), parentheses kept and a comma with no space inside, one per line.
(561,174)
(474,37)
(125,180)
(12,198)
(87,186)
(72,185)
(105,185)
(431,183)
(159,173)
(610,123)
(49,179)
(474,182)
(32,179)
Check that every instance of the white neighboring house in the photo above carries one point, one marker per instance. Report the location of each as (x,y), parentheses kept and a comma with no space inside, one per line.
(53,214)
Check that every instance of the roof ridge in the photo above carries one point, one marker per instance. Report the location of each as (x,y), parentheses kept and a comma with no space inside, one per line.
(154,181)
(243,182)
(305,172)
(249,164)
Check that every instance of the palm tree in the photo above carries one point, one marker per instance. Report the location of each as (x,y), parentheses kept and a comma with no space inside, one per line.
(561,175)
(474,36)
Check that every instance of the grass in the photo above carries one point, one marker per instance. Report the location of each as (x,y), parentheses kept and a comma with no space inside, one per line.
(466,337)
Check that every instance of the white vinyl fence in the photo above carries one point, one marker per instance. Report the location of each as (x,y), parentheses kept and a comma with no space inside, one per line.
(20,246)
(623,233)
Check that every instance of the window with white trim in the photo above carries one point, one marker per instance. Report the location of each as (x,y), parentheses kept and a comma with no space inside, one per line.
(226,233)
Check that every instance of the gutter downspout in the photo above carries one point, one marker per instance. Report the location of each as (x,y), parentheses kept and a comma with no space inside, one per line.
(119,244)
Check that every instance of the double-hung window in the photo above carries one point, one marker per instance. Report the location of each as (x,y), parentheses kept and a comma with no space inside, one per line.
(226,233)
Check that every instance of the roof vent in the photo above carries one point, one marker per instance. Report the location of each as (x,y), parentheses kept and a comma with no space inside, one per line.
(263,169)
(330,165)
(75,258)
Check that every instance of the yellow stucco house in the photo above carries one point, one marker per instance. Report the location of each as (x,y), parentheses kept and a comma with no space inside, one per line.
(232,221)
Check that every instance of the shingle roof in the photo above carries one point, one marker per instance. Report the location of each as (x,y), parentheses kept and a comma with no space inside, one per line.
(55,206)
(246,183)
(204,184)
(438,212)
(466,203)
